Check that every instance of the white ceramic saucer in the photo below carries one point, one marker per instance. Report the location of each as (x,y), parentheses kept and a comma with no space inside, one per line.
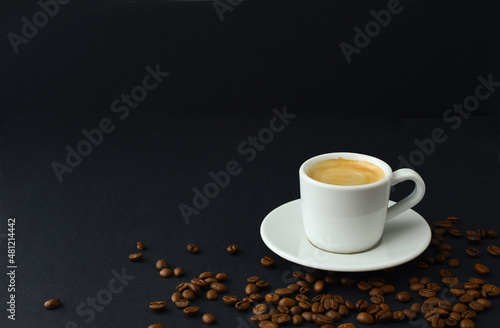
(405,237)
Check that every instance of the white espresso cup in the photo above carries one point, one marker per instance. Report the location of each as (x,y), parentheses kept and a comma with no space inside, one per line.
(351,219)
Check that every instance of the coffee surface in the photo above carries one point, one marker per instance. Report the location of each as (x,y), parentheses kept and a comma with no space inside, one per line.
(345,172)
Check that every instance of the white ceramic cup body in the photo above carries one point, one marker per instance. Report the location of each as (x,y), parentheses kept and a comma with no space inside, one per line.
(351,219)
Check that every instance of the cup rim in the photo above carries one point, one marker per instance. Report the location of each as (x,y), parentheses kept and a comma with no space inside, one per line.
(346,155)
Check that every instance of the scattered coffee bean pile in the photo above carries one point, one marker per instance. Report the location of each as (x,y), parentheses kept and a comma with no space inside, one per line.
(306,300)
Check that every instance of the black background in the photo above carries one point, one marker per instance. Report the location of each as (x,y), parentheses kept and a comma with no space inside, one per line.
(225,79)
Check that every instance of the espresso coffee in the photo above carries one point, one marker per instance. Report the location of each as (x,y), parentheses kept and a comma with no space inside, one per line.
(345,172)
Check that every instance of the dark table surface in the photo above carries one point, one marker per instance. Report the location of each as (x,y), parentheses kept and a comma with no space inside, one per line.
(414,79)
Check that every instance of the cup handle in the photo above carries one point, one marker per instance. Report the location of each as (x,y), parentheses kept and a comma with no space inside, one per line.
(412,199)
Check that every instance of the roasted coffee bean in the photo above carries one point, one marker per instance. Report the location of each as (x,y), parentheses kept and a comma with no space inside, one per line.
(428,260)
(260,317)
(416,307)
(253,279)
(388,289)
(141,246)
(317,308)
(195,288)
(433,286)
(193,248)
(184,303)
(346,281)
(427,293)
(448,281)
(310,277)
(251,289)
(232,249)
(321,319)
(267,262)
(474,293)
(208,319)
(191,310)
(471,285)
(267,324)
(468,314)
(189,295)
(260,309)
(416,287)
(53,303)
(281,318)
(332,279)
(410,314)
(481,269)
(135,257)
(200,282)
(305,306)
(376,281)
(330,304)
(334,315)
(206,274)
(350,305)
(182,286)
(445,305)
(472,252)
(459,307)
(272,298)
(445,253)
(365,318)
(177,296)
(319,298)
(453,263)
(295,288)
(256,297)
(264,284)
(210,280)
(166,272)
(302,283)
(364,286)
(218,287)
(467,323)
(242,305)
(284,292)
(282,309)
(493,250)
(156,325)
(481,232)
(295,310)
(444,247)
(307,316)
(453,219)
(347,325)
(272,312)
(491,290)
(319,286)
(374,308)
(211,295)
(466,298)
(399,315)
(298,274)
(339,299)
(445,273)
(343,310)
(478,281)
(230,300)
(383,315)
(362,305)
(297,320)
(476,306)
(455,232)
(376,292)
(221,276)
(403,297)
(377,299)
(288,302)
(491,233)
(301,298)
(473,237)
(179,272)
